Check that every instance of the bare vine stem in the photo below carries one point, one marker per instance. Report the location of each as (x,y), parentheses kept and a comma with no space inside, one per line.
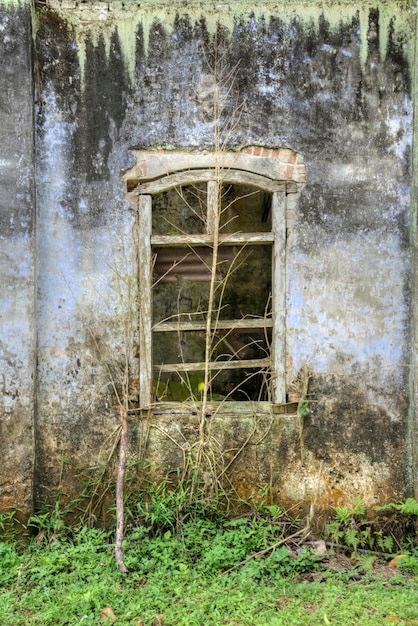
(120,479)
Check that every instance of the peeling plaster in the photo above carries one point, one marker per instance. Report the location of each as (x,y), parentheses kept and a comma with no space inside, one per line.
(340,483)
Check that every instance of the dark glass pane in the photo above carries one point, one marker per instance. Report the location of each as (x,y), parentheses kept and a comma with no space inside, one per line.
(245,209)
(252,384)
(182,280)
(180,211)
(230,346)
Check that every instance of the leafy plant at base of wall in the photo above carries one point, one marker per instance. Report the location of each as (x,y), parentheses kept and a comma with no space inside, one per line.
(49,519)
(403,522)
(364,562)
(71,580)
(173,502)
(408,563)
(409,507)
(352,528)
(214,541)
(161,507)
(384,543)
(10,527)
(48,522)
(95,503)
(346,528)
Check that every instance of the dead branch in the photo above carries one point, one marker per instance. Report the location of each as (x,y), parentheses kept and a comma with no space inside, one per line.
(120,478)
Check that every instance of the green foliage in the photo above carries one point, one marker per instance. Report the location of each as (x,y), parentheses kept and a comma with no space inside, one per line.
(409,563)
(49,521)
(352,528)
(9,564)
(384,543)
(346,528)
(190,387)
(365,563)
(10,528)
(231,545)
(180,390)
(69,580)
(188,561)
(167,506)
(304,409)
(345,515)
(409,507)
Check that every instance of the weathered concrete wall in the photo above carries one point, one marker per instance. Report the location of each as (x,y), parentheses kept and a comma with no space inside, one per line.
(332,83)
(17,264)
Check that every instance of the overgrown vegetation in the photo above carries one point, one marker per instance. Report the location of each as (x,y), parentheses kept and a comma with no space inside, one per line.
(189,564)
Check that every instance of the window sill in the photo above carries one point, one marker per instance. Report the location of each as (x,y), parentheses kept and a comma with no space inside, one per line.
(223,409)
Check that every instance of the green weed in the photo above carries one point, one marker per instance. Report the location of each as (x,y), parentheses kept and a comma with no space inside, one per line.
(69,581)
(409,508)
(354,529)
(192,564)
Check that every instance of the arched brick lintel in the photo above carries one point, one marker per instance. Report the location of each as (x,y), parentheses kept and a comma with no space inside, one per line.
(280,164)
(291,165)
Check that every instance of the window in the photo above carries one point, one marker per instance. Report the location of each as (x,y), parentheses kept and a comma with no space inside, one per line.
(211,280)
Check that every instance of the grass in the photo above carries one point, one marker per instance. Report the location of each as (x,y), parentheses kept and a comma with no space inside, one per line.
(178,575)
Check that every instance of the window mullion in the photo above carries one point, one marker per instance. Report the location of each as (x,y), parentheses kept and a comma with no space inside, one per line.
(212,216)
(278,354)
(145,299)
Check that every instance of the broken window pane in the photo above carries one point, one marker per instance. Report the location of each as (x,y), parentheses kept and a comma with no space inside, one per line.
(182,277)
(250,384)
(245,209)
(180,210)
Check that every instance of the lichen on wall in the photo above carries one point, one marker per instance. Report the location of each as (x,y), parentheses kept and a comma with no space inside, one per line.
(99,20)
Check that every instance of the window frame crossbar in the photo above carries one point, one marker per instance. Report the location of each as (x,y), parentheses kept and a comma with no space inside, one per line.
(193,325)
(215,365)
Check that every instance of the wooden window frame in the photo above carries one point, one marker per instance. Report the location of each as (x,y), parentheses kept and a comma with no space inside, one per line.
(213,177)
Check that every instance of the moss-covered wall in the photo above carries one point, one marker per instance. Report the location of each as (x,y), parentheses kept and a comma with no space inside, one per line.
(335,83)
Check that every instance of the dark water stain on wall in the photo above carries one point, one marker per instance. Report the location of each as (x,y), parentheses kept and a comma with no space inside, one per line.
(104,103)
(16,137)
(94,111)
